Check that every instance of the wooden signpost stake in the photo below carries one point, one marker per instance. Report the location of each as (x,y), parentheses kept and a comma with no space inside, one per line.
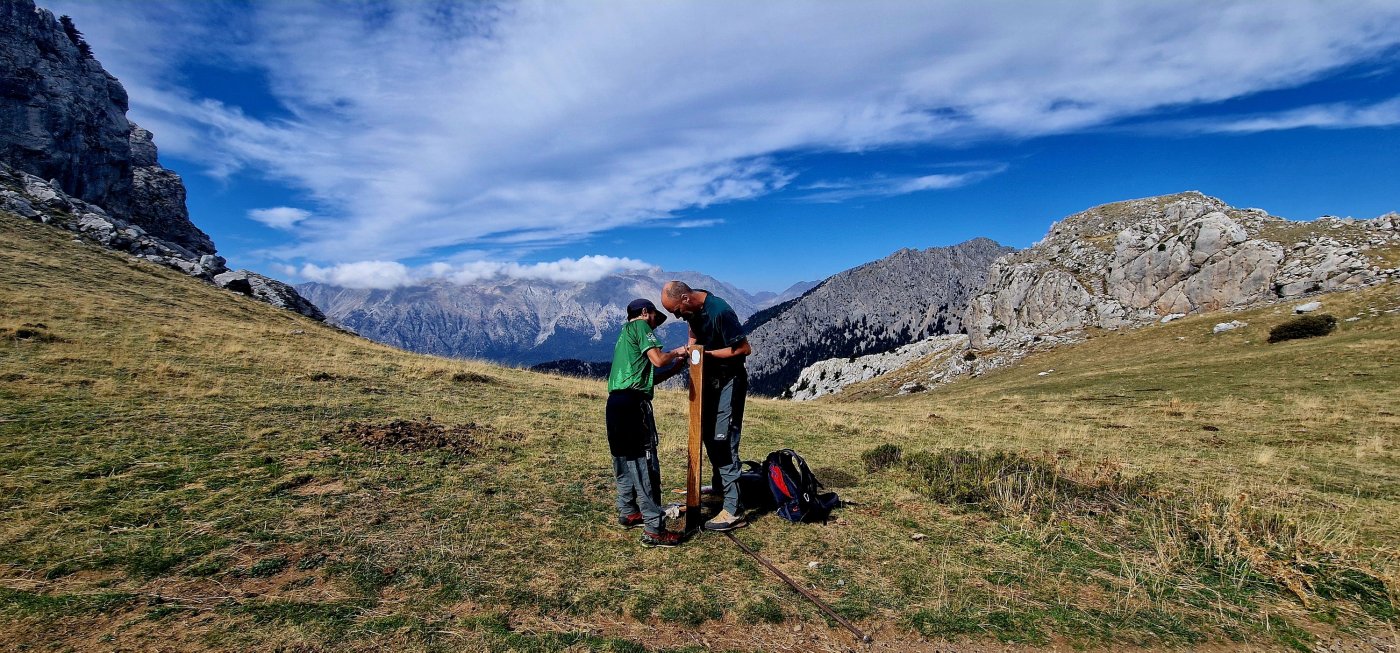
(692,479)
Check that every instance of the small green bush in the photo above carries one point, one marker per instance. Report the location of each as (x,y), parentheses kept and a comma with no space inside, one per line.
(1307,326)
(880,457)
(764,610)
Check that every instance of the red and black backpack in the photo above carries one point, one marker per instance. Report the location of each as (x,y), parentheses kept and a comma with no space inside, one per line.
(795,490)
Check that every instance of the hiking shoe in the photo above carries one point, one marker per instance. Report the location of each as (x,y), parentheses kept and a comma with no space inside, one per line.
(664,539)
(725,522)
(630,521)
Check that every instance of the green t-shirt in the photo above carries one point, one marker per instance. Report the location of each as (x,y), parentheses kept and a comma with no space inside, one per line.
(631,369)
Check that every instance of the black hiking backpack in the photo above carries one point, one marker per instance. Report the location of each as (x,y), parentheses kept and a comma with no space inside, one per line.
(796,491)
(754,493)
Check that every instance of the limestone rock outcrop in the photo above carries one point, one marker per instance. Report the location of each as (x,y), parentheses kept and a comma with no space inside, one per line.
(268,290)
(158,197)
(831,375)
(31,197)
(1132,263)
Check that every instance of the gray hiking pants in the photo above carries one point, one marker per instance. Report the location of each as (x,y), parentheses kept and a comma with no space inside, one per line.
(722,415)
(639,476)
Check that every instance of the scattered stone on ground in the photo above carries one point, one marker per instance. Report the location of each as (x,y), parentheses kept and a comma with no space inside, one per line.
(1307,308)
(1171,317)
(1229,326)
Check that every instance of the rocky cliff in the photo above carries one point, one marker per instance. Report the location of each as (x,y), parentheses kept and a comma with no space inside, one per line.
(63,118)
(511,321)
(903,298)
(1132,263)
(70,158)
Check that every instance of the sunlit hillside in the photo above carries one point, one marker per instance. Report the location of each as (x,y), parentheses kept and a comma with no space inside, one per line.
(185,468)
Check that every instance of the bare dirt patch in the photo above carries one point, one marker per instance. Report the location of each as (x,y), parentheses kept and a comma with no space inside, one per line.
(413,436)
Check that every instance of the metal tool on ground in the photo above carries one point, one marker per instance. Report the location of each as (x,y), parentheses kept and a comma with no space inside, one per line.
(864,638)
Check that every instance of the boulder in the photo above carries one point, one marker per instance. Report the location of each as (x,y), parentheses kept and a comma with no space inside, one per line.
(1228,326)
(1306,308)
(268,290)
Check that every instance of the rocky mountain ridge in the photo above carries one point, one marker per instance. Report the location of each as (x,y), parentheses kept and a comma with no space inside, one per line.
(70,158)
(511,321)
(1132,264)
(900,299)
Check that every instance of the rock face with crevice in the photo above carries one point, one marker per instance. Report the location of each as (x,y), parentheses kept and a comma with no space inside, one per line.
(1131,263)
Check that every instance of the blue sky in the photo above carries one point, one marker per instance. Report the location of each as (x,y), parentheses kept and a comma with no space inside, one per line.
(379,144)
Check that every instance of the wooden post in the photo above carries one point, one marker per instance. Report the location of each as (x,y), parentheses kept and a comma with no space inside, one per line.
(692,479)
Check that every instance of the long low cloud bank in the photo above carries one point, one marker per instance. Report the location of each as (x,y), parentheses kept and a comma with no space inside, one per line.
(419,126)
(384,275)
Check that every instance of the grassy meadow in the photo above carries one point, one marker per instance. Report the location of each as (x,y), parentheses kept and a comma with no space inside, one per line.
(184,468)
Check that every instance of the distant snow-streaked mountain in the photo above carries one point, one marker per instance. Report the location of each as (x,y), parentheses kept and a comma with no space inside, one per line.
(512,321)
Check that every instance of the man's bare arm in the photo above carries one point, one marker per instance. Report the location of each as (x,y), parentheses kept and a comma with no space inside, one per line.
(741,349)
(661,358)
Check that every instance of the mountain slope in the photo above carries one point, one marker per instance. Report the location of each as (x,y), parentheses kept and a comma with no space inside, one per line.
(511,321)
(881,305)
(185,468)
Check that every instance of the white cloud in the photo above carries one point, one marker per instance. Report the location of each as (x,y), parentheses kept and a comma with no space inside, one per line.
(422,126)
(385,275)
(279,217)
(380,275)
(830,191)
(945,181)
(697,224)
(1322,116)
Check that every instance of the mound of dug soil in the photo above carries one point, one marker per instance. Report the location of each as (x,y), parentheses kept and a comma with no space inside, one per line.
(409,435)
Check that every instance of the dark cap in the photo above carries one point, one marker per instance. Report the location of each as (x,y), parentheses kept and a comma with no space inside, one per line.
(638,305)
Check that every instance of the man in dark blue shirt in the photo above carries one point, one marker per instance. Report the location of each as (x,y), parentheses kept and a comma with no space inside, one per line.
(715,326)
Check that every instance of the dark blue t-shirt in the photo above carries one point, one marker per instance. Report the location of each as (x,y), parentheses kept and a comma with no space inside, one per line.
(716,326)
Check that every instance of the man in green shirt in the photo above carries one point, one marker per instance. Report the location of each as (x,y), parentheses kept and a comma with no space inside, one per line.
(631,425)
(715,326)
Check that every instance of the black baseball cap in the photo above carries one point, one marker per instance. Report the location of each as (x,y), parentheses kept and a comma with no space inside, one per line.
(638,305)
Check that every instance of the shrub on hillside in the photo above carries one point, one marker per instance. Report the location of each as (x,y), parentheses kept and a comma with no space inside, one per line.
(1009,482)
(1307,326)
(880,457)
